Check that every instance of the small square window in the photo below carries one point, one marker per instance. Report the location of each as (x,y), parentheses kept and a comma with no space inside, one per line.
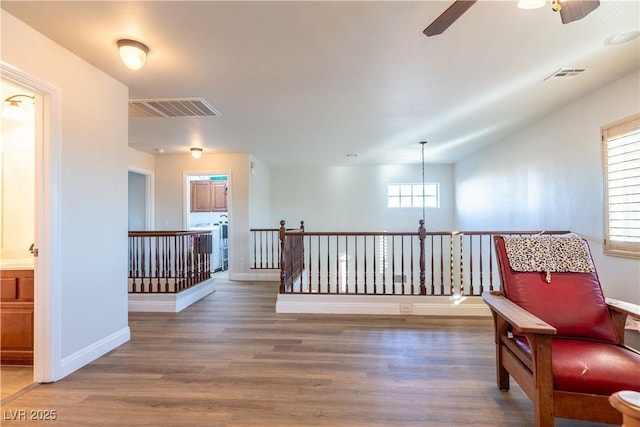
(413,195)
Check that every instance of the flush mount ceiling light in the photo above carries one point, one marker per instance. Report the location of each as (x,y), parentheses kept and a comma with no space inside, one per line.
(14,110)
(196,152)
(531,4)
(132,53)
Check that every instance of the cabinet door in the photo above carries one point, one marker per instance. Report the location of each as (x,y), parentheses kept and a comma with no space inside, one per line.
(16,335)
(219,196)
(201,196)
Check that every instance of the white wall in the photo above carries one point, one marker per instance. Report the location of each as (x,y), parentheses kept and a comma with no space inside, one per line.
(140,161)
(91,192)
(355,198)
(170,198)
(549,176)
(259,192)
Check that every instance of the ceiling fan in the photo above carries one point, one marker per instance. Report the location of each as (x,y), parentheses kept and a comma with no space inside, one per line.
(570,10)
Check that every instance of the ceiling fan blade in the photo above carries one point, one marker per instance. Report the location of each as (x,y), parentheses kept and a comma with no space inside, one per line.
(574,10)
(448,17)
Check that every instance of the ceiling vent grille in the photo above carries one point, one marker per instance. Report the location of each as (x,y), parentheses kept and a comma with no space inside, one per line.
(565,73)
(174,107)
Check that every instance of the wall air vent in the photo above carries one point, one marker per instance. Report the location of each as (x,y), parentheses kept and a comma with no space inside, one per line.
(565,73)
(171,107)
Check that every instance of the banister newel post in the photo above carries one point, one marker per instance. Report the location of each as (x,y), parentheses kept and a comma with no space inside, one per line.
(422,234)
(282,234)
(302,245)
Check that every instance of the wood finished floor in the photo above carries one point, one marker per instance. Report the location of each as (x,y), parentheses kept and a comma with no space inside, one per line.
(230,360)
(13,379)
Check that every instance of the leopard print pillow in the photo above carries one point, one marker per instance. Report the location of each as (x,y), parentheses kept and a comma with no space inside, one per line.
(548,253)
(571,254)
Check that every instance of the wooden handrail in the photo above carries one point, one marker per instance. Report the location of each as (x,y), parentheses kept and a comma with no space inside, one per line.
(389,263)
(164,233)
(265,247)
(168,261)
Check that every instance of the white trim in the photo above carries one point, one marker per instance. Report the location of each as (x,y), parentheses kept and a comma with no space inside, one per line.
(263,276)
(90,353)
(186,209)
(387,305)
(170,303)
(47,365)
(471,307)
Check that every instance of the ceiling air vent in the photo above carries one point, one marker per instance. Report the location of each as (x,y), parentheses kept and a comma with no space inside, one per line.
(171,107)
(565,73)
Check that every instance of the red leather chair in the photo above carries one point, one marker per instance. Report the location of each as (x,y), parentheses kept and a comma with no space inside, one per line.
(562,342)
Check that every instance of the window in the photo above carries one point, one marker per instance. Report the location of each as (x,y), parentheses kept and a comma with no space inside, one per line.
(412,196)
(621,155)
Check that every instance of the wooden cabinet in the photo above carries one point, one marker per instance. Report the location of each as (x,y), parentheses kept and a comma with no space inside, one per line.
(208,196)
(201,196)
(16,317)
(219,190)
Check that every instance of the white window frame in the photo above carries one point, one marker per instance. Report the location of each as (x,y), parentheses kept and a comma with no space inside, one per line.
(621,162)
(409,195)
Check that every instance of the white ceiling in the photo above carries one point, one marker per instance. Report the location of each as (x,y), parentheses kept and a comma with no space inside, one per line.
(307,82)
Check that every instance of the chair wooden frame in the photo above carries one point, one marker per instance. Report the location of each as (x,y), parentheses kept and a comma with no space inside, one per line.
(533,371)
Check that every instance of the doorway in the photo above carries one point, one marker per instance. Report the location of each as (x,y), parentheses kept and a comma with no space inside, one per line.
(141,202)
(47,312)
(17,237)
(207,196)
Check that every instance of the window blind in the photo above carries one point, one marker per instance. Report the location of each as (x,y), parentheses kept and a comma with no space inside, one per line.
(621,153)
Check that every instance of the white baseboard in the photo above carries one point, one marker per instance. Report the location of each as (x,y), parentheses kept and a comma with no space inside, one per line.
(170,303)
(90,353)
(256,276)
(388,305)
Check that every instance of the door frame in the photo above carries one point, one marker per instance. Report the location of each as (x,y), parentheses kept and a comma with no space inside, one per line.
(186,194)
(47,234)
(149,192)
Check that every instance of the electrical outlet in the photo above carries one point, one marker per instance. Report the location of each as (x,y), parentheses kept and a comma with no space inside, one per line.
(406,308)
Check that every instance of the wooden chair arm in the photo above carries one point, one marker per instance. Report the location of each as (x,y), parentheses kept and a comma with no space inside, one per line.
(517,316)
(619,311)
(624,307)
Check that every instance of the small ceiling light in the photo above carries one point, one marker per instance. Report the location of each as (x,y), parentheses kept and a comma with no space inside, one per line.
(132,53)
(621,38)
(531,4)
(14,110)
(196,152)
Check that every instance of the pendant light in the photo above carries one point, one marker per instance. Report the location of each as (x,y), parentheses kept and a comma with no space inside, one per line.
(423,143)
